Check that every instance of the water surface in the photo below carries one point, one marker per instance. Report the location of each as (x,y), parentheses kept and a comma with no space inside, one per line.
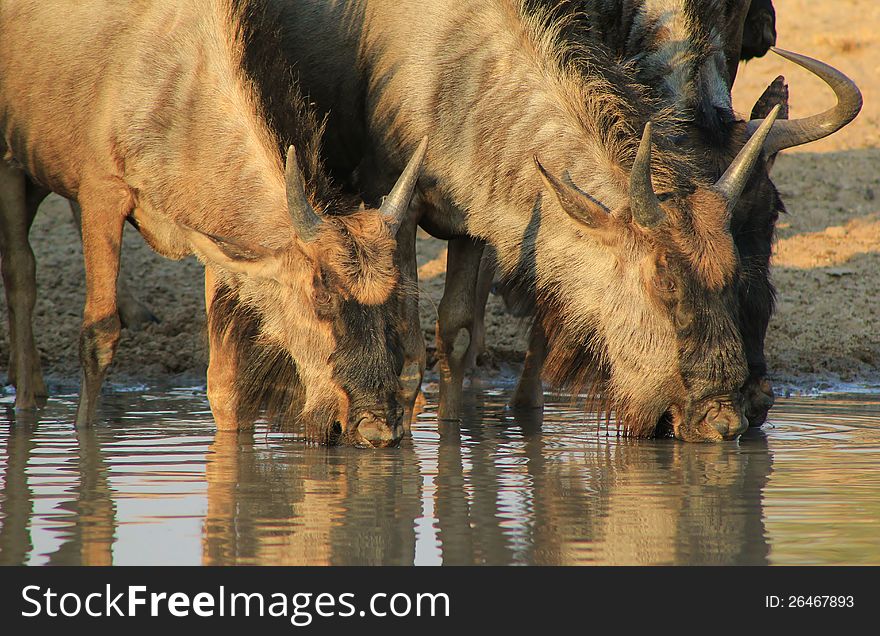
(154,484)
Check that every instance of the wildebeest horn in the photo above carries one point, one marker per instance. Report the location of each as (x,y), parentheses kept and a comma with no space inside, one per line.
(645,205)
(305,220)
(396,204)
(795,132)
(734,179)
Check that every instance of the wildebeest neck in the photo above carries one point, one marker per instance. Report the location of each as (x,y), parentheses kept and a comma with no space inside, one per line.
(287,113)
(676,48)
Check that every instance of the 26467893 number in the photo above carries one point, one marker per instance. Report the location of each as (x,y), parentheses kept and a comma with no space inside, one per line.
(818,600)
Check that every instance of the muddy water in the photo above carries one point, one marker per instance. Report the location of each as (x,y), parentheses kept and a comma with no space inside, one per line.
(155,485)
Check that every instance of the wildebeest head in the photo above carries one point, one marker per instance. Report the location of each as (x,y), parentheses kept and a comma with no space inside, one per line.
(667,333)
(754,217)
(668,336)
(316,321)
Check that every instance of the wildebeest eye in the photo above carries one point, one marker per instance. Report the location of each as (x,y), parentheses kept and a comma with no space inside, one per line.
(322,297)
(664,196)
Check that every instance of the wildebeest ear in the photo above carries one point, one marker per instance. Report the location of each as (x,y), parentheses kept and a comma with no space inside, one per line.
(578,205)
(775,93)
(759,31)
(240,257)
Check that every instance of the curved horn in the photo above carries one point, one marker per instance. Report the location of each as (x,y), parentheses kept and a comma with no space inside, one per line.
(305,220)
(645,205)
(734,179)
(796,132)
(396,204)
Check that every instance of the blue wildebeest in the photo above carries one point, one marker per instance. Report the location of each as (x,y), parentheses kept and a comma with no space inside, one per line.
(677,50)
(640,289)
(176,117)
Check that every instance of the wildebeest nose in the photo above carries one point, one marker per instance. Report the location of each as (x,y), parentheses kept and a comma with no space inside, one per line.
(376,432)
(758,398)
(726,420)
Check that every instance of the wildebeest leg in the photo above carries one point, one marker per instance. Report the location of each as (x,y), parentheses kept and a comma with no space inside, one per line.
(759,399)
(132,312)
(18,206)
(412,337)
(733,35)
(455,321)
(529,393)
(222,366)
(485,278)
(105,206)
(754,241)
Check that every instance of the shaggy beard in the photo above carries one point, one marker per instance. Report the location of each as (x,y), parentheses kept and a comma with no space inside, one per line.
(578,364)
(267,383)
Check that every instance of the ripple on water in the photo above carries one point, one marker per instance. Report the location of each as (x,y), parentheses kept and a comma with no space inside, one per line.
(155,484)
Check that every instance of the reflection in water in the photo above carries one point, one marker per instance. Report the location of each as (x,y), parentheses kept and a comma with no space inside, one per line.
(158,485)
(535,500)
(89,540)
(267,505)
(86,541)
(713,515)
(16,497)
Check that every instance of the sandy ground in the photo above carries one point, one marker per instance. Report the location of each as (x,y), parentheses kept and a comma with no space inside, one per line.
(826,264)
(827,259)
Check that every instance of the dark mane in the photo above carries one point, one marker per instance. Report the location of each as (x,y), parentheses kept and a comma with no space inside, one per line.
(266,378)
(621,26)
(623,30)
(628,101)
(288,113)
(704,18)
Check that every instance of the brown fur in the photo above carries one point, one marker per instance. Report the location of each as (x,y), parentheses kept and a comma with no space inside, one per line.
(495,85)
(360,250)
(706,241)
(647,35)
(713,133)
(167,121)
